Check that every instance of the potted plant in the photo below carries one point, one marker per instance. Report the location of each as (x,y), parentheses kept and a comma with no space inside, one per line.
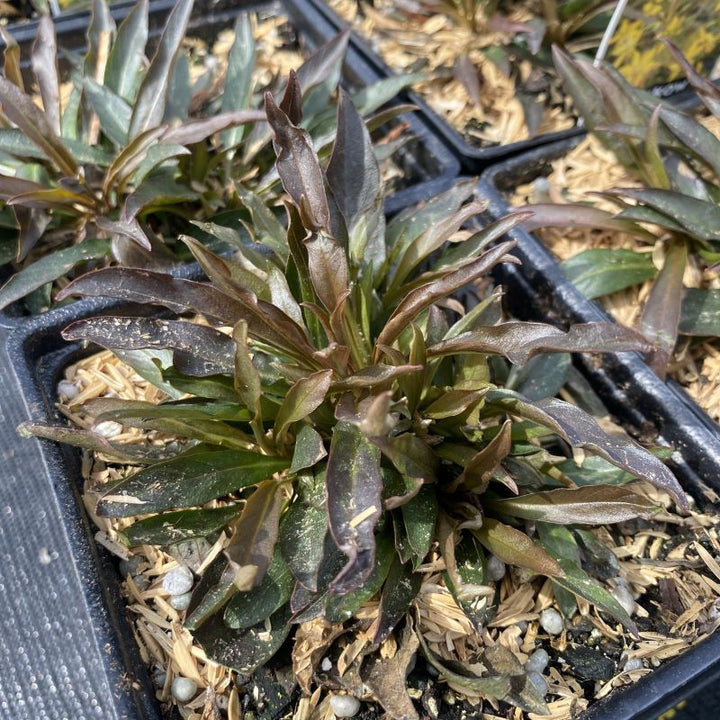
(140,166)
(359,442)
(485,68)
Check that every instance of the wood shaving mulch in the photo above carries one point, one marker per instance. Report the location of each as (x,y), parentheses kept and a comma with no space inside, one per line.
(432,45)
(588,168)
(670,565)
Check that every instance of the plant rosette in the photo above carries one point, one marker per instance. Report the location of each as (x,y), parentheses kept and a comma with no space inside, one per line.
(600,218)
(360,463)
(125,156)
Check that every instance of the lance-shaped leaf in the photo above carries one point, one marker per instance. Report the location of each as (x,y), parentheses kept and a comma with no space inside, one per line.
(661,315)
(174,527)
(303,532)
(21,110)
(246,377)
(399,591)
(149,106)
(187,481)
(123,452)
(309,449)
(516,548)
(49,268)
(303,398)
(249,608)
(520,341)
(125,333)
(195,131)
(590,505)
(698,217)
(545,215)
(353,486)
(238,76)
(327,264)
(700,312)
(601,271)
(44,66)
(113,111)
(707,91)
(255,533)
(265,322)
(244,650)
(128,52)
(374,376)
(479,470)
(581,430)
(298,167)
(420,299)
(353,174)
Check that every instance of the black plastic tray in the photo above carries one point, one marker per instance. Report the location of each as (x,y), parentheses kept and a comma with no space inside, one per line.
(631,391)
(428,165)
(475,159)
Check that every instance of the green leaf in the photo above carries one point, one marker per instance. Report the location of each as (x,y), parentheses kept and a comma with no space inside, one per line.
(560,543)
(398,593)
(149,106)
(245,651)
(601,271)
(128,52)
(594,471)
(52,266)
(353,486)
(516,548)
(239,75)
(173,527)
(112,111)
(255,533)
(188,480)
(577,581)
(246,609)
(303,398)
(309,449)
(700,313)
(590,505)
(303,530)
(419,516)
(149,364)
(211,593)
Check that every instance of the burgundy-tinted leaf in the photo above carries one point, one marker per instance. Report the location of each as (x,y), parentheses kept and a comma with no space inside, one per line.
(298,167)
(516,548)
(421,298)
(127,333)
(255,533)
(581,430)
(707,91)
(661,315)
(466,72)
(479,470)
(374,376)
(519,341)
(195,131)
(410,455)
(323,62)
(353,487)
(20,109)
(32,224)
(246,378)
(188,480)
(44,66)
(149,106)
(291,103)
(328,269)
(591,505)
(303,398)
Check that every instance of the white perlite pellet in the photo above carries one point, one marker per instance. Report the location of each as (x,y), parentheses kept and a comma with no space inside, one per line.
(538,661)
(539,682)
(495,568)
(178,581)
(623,595)
(183,689)
(551,621)
(344,705)
(68,390)
(633,664)
(180,602)
(108,428)
(326,664)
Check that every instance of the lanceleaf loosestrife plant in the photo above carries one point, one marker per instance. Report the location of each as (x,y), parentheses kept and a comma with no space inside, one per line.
(137,150)
(677,209)
(349,424)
